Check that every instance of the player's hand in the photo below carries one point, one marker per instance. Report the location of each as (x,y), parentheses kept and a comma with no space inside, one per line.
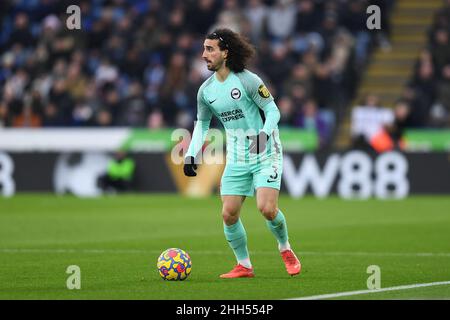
(189,167)
(258,143)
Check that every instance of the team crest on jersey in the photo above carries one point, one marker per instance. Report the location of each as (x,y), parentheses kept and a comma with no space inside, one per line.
(236,93)
(263,91)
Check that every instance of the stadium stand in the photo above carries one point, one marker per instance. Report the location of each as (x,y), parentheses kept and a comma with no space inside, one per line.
(411,76)
(137,63)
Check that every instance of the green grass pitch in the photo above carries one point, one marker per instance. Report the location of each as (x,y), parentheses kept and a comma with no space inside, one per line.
(116,242)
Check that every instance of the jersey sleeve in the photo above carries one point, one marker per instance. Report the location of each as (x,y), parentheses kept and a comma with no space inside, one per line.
(255,88)
(259,93)
(201,127)
(203,111)
(272,115)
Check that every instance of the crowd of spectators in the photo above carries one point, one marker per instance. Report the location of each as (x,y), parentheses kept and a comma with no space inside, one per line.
(138,62)
(428,92)
(424,102)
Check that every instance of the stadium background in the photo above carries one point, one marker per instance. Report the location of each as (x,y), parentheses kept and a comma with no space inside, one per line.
(364,113)
(137,65)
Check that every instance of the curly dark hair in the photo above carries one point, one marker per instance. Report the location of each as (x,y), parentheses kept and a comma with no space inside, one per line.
(240,51)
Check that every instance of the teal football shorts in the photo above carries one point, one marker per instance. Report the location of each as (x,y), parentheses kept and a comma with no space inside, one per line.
(243,179)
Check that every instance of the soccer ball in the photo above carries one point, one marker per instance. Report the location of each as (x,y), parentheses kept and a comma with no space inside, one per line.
(174,264)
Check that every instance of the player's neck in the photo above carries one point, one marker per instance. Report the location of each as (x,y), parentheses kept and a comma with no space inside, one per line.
(222,73)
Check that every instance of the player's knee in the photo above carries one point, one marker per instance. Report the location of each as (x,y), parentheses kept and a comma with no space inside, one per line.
(268,210)
(229,219)
(230,214)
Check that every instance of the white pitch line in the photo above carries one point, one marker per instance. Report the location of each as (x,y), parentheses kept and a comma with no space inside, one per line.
(380,254)
(213,252)
(354,293)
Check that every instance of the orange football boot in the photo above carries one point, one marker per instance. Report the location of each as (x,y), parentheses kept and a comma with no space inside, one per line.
(293,265)
(239,271)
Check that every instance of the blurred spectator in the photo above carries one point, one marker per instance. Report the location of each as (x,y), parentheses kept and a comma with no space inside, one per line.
(440,111)
(327,30)
(383,34)
(400,123)
(134,110)
(30,115)
(287,112)
(307,16)
(256,13)
(155,120)
(231,16)
(112,104)
(280,67)
(52,117)
(106,72)
(148,34)
(307,24)
(368,124)
(298,94)
(27,118)
(21,33)
(205,13)
(300,75)
(440,47)
(60,97)
(119,174)
(104,118)
(310,118)
(355,20)
(5,115)
(173,94)
(424,86)
(281,20)
(76,81)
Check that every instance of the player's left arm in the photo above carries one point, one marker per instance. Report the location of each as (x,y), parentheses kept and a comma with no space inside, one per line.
(272,115)
(259,93)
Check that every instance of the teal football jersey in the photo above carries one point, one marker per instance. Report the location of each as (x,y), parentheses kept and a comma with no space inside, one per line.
(237,103)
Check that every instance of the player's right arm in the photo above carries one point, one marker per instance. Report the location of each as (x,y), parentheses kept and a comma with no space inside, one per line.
(201,128)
